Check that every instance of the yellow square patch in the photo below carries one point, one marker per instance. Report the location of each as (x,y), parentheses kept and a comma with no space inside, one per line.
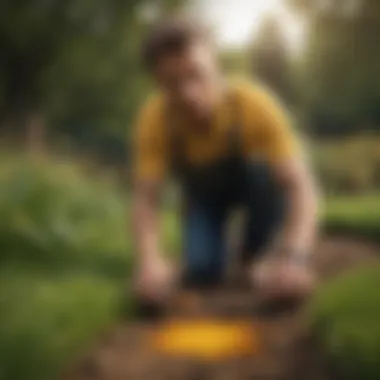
(206,339)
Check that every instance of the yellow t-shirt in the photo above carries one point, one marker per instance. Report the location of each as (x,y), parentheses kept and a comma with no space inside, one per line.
(265,131)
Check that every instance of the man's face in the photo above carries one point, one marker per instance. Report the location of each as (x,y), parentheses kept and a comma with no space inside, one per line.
(190,79)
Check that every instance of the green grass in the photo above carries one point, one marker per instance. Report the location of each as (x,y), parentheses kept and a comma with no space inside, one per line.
(345,317)
(345,313)
(46,323)
(358,216)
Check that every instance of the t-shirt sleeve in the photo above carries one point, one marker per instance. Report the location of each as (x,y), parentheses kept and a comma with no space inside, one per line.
(149,158)
(270,130)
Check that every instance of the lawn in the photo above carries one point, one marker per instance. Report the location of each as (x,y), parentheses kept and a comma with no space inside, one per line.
(355,215)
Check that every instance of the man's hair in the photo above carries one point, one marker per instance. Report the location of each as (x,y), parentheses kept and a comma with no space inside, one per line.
(172,36)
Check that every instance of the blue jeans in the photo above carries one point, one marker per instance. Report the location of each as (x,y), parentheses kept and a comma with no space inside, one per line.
(204,225)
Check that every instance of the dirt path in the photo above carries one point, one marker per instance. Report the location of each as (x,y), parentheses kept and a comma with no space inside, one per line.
(286,352)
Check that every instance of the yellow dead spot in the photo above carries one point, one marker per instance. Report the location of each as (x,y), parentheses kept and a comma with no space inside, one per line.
(206,339)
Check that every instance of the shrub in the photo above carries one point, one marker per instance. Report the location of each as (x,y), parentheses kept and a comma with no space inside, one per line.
(64,255)
(345,317)
(351,165)
(53,217)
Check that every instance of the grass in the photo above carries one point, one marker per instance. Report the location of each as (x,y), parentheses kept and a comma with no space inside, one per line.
(345,316)
(45,323)
(356,215)
(345,312)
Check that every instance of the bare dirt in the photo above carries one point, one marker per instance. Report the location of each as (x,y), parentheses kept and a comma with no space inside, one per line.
(287,351)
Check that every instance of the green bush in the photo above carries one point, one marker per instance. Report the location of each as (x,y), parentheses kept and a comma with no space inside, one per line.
(53,217)
(345,317)
(64,259)
(350,165)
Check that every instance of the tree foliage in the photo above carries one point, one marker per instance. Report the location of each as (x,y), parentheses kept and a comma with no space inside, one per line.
(75,63)
(271,59)
(341,86)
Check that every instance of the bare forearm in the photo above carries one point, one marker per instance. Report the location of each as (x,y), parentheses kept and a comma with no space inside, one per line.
(301,223)
(145,225)
(300,226)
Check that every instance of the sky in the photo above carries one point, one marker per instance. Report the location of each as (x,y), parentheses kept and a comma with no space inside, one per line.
(237,21)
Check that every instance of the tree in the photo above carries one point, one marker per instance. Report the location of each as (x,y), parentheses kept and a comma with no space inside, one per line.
(270,59)
(341,85)
(73,64)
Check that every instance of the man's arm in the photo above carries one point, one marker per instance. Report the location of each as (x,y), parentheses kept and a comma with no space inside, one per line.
(145,222)
(282,147)
(285,272)
(300,227)
(148,172)
(288,272)
(153,275)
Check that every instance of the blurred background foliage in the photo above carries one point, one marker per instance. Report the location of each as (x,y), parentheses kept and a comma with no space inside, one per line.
(70,85)
(70,75)
(71,70)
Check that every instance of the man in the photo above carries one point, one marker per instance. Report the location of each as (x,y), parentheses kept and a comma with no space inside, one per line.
(229,145)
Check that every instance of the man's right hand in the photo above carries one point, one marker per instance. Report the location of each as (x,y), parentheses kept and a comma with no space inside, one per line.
(154,280)
(283,278)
